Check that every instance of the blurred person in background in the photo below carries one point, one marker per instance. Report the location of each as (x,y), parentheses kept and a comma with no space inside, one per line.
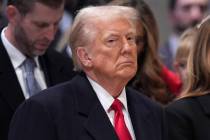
(184,46)
(182,15)
(188,117)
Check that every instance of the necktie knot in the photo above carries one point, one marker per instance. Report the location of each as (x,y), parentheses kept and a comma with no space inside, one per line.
(117,106)
(29,64)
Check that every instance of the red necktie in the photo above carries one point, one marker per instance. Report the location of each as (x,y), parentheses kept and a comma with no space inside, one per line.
(119,122)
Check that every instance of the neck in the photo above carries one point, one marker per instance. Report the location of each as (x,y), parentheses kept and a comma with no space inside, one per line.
(113,86)
(9,35)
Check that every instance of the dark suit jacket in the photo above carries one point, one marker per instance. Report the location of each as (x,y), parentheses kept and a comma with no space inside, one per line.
(56,69)
(189,118)
(72,111)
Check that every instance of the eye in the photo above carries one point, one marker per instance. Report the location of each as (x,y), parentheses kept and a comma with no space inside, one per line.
(187,7)
(41,25)
(203,8)
(112,41)
(131,38)
(182,65)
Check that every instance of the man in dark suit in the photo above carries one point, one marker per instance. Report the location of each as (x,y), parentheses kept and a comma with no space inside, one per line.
(95,104)
(30,30)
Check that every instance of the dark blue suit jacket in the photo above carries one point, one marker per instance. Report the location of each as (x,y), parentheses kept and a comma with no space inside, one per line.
(72,111)
(56,69)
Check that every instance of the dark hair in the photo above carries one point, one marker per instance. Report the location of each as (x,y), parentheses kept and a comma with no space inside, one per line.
(171,4)
(25,6)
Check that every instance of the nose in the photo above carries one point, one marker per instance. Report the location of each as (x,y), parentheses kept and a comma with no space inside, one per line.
(50,32)
(126,47)
(196,13)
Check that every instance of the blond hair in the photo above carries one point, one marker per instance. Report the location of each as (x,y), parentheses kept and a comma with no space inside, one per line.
(198,66)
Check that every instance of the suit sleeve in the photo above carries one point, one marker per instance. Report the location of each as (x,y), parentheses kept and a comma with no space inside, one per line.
(178,124)
(32,121)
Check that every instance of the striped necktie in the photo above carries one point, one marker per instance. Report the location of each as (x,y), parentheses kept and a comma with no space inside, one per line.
(32,85)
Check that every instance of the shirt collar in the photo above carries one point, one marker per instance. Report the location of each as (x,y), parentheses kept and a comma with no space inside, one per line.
(105,98)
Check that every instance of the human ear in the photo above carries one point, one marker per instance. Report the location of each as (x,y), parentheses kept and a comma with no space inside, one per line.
(84,57)
(13,15)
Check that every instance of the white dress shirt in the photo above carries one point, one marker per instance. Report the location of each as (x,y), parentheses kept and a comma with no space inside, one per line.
(106,100)
(17,58)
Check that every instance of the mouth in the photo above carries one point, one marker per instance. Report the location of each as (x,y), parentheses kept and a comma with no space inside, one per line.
(127,63)
(42,46)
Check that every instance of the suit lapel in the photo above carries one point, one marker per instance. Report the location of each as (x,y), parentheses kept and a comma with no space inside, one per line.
(97,122)
(43,63)
(10,88)
(140,117)
(99,125)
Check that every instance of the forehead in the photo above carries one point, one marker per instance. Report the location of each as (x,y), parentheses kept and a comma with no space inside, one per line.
(191,2)
(116,26)
(46,13)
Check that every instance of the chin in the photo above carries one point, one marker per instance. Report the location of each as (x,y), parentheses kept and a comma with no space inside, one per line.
(39,53)
(128,74)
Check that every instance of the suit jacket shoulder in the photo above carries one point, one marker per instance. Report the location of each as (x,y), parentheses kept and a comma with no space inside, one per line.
(147,115)
(57,68)
(188,118)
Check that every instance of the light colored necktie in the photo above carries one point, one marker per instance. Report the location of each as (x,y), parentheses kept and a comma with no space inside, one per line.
(119,122)
(32,86)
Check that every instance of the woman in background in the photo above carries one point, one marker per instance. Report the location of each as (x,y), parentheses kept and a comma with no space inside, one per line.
(189,117)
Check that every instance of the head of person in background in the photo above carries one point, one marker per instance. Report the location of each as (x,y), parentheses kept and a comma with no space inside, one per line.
(186,13)
(150,69)
(188,117)
(198,66)
(33,24)
(185,45)
(104,45)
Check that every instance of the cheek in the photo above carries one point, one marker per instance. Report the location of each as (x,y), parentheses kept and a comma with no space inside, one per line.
(106,61)
(28,33)
(33,31)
